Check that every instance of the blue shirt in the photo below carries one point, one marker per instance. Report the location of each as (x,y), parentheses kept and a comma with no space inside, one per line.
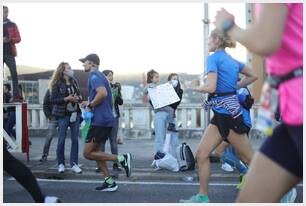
(227,69)
(103,112)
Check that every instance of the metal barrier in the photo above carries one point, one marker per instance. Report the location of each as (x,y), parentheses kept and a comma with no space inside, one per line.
(20,143)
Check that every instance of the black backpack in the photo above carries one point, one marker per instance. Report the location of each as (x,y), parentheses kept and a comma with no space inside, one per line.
(185,157)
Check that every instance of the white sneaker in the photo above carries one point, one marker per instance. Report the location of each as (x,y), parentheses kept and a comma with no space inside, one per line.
(76,169)
(50,199)
(61,168)
(227,168)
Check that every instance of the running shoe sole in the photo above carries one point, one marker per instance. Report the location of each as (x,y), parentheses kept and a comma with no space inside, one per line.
(110,189)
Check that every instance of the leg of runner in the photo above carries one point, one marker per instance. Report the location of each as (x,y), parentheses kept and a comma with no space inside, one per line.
(24,176)
(210,140)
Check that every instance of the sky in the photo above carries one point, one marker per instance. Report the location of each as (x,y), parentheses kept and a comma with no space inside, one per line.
(128,37)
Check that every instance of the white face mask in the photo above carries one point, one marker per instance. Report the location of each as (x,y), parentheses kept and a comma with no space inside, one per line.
(69,73)
(174,82)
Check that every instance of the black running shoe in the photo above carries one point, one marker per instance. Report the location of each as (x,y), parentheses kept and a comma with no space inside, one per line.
(105,187)
(126,164)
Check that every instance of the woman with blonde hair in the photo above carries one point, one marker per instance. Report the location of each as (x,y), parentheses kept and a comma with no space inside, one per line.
(65,96)
(228,122)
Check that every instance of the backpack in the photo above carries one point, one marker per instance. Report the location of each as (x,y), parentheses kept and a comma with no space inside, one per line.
(185,157)
(245,98)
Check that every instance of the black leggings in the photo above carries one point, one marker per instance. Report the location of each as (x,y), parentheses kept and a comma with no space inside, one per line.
(23,175)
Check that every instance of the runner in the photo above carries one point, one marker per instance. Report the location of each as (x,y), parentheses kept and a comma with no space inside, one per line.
(100,104)
(227,123)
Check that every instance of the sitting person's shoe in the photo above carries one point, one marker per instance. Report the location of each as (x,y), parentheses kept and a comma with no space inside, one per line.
(198,198)
(50,199)
(126,164)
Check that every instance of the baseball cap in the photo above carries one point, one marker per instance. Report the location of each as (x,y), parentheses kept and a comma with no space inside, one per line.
(91,57)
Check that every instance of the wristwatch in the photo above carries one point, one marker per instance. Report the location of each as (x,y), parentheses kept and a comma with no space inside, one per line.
(228,24)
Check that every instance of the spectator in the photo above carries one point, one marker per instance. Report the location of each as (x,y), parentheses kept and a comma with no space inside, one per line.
(11,37)
(65,96)
(52,125)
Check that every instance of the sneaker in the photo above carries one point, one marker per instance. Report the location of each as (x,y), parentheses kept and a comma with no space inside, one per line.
(126,164)
(76,169)
(196,199)
(116,167)
(289,197)
(61,168)
(242,180)
(43,158)
(105,187)
(97,170)
(50,199)
(226,167)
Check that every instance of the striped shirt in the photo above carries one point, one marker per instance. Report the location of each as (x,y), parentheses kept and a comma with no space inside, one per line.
(230,103)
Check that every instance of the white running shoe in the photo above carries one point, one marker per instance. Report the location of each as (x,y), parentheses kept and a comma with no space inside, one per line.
(76,169)
(227,168)
(50,199)
(61,168)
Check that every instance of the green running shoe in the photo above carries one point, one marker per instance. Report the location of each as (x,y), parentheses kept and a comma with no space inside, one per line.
(196,199)
(242,180)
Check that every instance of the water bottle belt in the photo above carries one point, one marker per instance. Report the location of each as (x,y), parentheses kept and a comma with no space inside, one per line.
(275,81)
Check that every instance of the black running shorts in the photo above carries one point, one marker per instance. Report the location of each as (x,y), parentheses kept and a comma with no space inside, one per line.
(285,147)
(98,134)
(225,122)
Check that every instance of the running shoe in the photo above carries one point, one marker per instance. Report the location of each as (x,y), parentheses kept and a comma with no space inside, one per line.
(61,168)
(126,164)
(105,187)
(289,197)
(226,167)
(196,199)
(76,169)
(51,199)
(242,180)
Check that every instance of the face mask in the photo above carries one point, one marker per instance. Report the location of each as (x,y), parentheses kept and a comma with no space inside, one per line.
(70,73)
(174,82)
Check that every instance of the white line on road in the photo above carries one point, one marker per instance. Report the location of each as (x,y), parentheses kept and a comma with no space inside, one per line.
(139,183)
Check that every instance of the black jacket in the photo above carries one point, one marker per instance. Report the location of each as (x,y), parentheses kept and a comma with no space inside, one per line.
(118,100)
(47,106)
(58,93)
(179,91)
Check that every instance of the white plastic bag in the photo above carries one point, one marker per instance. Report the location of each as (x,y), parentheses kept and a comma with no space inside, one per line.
(167,162)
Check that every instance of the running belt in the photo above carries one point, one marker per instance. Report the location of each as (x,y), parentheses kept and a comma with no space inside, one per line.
(230,103)
(275,81)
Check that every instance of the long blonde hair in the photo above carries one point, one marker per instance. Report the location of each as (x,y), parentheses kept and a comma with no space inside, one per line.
(225,40)
(57,74)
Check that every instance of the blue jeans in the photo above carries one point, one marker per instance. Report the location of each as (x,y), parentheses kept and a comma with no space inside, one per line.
(161,121)
(9,125)
(63,124)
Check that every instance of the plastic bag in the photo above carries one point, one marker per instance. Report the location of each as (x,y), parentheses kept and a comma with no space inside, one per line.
(168,162)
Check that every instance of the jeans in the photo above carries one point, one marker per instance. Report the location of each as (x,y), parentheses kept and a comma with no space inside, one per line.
(161,121)
(51,132)
(9,60)
(9,125)
(63,124)
(113,138)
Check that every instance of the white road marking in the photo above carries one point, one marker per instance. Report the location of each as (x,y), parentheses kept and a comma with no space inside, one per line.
(139,183)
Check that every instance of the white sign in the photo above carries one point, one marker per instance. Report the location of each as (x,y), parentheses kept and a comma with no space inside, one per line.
(162,95)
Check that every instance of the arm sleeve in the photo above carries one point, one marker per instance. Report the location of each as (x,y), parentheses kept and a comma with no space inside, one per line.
(240,65)
(14,34)
(46,104)
(96,82)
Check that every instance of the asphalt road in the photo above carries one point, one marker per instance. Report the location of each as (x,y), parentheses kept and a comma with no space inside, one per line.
(82,191)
